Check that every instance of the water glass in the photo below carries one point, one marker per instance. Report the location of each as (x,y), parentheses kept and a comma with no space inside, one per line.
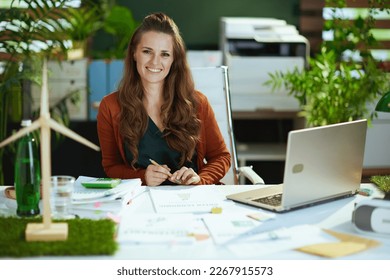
(61,196)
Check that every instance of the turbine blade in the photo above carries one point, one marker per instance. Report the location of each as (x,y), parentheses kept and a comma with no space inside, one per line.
(69,133)
(36,124)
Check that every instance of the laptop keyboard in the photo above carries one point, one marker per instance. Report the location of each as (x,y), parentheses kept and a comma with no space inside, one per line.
(274,200)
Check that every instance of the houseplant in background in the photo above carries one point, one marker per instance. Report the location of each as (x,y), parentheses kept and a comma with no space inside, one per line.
(28,34)
(117,28)
(81,24)
(344,78)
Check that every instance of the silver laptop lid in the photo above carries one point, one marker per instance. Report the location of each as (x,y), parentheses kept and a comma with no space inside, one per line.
(323,162)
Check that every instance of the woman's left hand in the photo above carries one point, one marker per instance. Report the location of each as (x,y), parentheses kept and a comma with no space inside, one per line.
(186,176)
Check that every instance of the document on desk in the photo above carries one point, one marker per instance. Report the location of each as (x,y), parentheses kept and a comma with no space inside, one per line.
(279,240)
(186,200)
(128,189)
(152,228)
(224,227)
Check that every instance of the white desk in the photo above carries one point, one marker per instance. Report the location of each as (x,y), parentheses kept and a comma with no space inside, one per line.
(334,215)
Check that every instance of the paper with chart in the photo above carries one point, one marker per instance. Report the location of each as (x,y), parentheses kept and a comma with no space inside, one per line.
(224,227)
(151,228)
(186,200)
(128,189)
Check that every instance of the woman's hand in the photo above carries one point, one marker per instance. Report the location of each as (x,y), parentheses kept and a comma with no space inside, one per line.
(156,175)
(186,176)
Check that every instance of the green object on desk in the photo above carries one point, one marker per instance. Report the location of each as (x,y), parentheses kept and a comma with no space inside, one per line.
(383,182)
(86,237)
(102,183)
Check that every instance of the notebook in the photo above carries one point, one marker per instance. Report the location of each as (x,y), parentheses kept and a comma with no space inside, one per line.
(83,195)
(322,163)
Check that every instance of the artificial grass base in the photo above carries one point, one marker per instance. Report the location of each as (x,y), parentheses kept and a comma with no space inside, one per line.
(85,237)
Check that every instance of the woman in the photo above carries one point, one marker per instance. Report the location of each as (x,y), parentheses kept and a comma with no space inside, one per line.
(157,116)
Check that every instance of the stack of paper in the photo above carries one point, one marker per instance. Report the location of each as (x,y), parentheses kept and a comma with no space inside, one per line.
(127,189)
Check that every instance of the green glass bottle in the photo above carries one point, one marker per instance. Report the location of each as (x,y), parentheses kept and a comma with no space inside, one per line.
(27,175)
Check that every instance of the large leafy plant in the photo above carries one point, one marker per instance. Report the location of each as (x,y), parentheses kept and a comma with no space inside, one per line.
(82,23)
(29,33)
(344,77)
(118,26)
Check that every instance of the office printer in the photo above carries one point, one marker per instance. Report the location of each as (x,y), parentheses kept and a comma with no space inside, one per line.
(254,47)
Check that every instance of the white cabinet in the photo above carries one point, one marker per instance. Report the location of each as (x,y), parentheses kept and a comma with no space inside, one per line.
(64,79)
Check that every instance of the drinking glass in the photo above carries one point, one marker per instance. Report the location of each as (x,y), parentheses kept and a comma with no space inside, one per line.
(61,196)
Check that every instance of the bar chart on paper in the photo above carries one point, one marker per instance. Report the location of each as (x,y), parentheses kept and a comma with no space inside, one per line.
(186,200)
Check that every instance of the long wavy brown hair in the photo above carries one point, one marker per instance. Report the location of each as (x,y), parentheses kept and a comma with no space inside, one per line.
(179,110)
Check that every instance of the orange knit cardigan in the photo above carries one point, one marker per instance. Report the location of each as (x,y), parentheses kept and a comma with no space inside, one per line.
(213,159)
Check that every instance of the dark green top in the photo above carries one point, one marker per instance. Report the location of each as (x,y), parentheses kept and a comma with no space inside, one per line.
(153,146)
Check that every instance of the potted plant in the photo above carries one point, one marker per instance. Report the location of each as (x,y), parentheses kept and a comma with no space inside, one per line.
(383,184)
(344,77)
(121,25)
(117,28)
(81,24)
(39,32)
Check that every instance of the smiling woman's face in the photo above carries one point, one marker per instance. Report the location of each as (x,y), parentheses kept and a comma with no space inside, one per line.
(154,57)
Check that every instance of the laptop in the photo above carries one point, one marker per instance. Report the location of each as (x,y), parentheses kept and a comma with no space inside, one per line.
(322,163)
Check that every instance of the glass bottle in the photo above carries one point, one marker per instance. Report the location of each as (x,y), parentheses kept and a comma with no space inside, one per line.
(27,175)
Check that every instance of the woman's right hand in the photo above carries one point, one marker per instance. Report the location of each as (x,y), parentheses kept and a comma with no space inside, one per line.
(156,175)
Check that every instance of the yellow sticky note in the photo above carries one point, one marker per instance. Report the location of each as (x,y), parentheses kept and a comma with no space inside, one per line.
(216,210)
(348,244)
(334,250)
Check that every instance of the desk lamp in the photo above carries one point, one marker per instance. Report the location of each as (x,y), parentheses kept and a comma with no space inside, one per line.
(384,103)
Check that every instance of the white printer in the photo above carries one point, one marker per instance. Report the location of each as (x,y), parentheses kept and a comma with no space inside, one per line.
(254,47)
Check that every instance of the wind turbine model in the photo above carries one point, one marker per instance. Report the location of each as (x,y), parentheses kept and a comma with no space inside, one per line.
(47,231)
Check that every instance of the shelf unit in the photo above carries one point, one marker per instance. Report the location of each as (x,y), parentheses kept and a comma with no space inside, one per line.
(261,140)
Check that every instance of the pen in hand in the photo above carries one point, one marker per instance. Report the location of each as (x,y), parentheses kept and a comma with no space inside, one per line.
(157,164)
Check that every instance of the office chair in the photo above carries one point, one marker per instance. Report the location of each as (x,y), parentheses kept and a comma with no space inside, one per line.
(213,82)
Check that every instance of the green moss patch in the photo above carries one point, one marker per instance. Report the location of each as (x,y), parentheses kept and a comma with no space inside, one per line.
(85,237)
(383,182)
